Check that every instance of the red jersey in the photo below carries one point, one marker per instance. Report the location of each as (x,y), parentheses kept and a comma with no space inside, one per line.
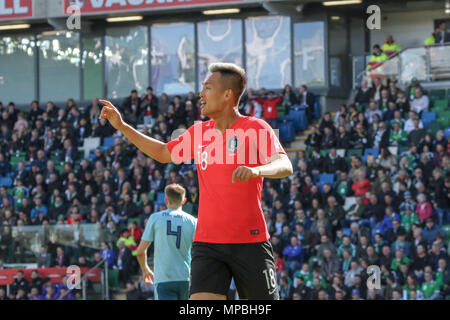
(270,107)
(228,212)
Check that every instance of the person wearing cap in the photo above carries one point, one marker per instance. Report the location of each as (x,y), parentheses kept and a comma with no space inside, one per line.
(407,212)
(390,47)
(411,90)
(356,295)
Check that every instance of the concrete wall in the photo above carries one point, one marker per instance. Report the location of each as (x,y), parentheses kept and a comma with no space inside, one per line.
(409,29)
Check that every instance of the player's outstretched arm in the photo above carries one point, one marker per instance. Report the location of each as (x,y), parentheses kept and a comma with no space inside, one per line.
(279,166)
(153,148)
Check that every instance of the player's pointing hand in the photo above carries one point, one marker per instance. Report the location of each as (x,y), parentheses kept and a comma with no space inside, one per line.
(244,173)
(111,113)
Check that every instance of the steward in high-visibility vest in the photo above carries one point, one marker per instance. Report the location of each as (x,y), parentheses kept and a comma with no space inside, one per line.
(377,57)
(390,47)
(128,241)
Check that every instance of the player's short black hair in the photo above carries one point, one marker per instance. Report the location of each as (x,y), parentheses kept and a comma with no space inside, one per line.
(234,76)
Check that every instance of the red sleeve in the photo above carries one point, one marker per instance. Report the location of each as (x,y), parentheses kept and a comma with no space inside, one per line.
(182,147)
(259,100)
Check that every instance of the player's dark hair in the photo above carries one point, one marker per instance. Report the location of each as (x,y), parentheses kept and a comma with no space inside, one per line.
(175,193)
(234,77)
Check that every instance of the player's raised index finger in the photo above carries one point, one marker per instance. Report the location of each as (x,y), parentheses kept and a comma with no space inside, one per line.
(108,103)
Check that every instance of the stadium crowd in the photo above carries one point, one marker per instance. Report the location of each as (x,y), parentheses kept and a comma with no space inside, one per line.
(337,215)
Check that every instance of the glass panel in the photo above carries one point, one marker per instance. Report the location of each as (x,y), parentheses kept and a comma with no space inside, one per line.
(126,51)
(309,53)
(59,62)
(23,243)
(173,58)
(413,63)
(218,41)
(17,69)
(268,45)
(440,62)
(92,67)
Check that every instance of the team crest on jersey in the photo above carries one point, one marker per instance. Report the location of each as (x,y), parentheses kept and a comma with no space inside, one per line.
(233,144)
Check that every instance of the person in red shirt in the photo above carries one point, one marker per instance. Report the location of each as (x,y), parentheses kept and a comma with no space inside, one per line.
(362,186)
(233,154)
(135,231)
(270,105)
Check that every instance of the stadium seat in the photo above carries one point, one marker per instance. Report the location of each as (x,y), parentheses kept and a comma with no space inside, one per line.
(113,279)
(281,111)
(6,182)
(446,230)
(373,151)
(297,115)
(354,152)
(287,131)
(89,144)
(440,104)
(393,150)
(108,142)
(160,196)
(437,94)
(317,108)
(447,132)
(340,152)
(444,119)
(428,117)
(137,220)
(349,201)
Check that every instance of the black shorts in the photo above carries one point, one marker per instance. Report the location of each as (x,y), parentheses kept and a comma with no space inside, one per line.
(250,264)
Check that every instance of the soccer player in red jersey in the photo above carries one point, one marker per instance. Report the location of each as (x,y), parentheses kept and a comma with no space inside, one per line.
(233,154)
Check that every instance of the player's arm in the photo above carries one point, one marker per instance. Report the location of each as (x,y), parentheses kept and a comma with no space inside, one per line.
(279,166)
(147,273)
(155,149)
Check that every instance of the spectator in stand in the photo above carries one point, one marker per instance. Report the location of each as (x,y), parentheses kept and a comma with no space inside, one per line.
(362,98)
(376,59)
(424,209)
(390,47)
(397,136)
(411,90)
(44,259)
(420,102)
(307,99)
(270,104)
(290,98)
(19,283)
(409,124)
(149,107)
(442,36)
(315,138)
(61,260)
(122,261)
(107,253)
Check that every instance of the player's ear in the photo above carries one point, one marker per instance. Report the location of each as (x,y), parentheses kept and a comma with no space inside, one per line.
(184,201)
(166,201)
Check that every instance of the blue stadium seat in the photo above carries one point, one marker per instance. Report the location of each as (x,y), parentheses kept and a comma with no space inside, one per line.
(373,151)
(287,130)
(317,108)
(160,196)
(108,142)
(297,115)
(428,117)
(327,178)
(6,182)
(447,132)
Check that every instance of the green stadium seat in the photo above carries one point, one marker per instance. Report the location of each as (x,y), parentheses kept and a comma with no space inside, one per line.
(437,94)
(433,127)
(113,279)
(446,230)
(188,208)
(440,104)
(281,111)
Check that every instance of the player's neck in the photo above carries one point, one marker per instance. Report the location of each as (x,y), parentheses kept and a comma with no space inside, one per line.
(226,119)
(174,207)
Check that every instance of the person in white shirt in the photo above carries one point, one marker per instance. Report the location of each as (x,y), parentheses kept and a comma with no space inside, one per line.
(409,124)
(420,102)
